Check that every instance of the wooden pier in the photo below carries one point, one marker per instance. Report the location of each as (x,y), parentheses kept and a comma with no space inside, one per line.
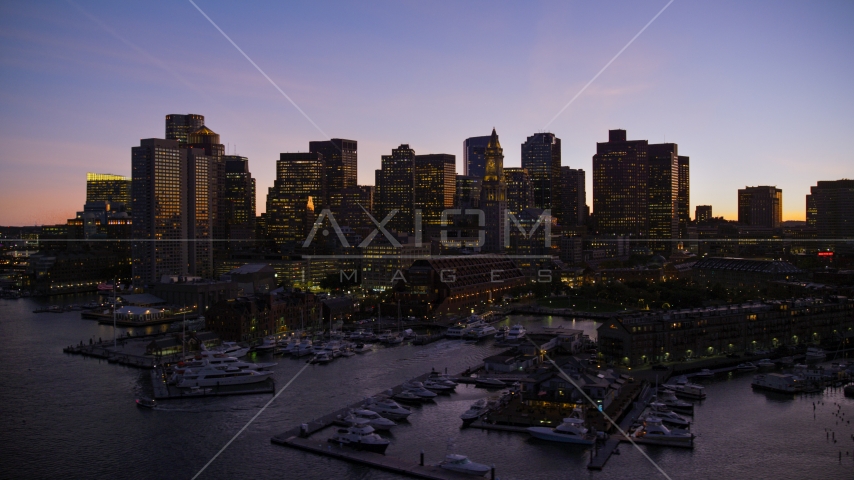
(397,465)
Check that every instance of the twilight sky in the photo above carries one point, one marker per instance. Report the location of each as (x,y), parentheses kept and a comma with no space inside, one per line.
(756,93)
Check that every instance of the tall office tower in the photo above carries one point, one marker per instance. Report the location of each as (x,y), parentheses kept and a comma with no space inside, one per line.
(493,196)
(106,187)
(663,188)
(684,196)
(760,206)
(201,203)
(573,190)
(541,157)
(395,189)
(832,212)
(297,192)
(468,192)
(620,194)
(159,199)
(435,187)
(179,126)
(341,159)
(520,190)
(239,195)
(702,213)
(474,160)
(207,140)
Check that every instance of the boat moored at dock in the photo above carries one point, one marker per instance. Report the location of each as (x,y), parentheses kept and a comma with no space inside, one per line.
(776,382)
(462,464)
(361,437)
(571,430)
(654,432)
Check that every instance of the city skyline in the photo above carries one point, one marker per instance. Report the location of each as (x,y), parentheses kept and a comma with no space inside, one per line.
(741,80)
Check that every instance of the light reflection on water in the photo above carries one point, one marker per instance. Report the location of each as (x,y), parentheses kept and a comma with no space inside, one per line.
(69,414)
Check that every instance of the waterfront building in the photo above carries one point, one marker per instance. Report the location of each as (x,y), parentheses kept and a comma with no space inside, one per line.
(340,157)
(474,159)
(106,187)
(639,338)
(493,196)
(663,187)
(830,210)
(541,157)
(295,197)
(573,196)
(61,272)
(252,278)
(684,209)
(760,206)
(741,272)
(383,262)
(194,292)
(251,318)
(702,213)
(434,188)
(455,285)
(395,189)
(620,180)
(239,195)
(520,190)
(178,126)
(159,198)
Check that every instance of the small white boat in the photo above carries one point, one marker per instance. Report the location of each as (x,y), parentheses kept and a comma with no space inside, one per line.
(361,437)
(765,364)
(502,332)
(704,373)
(374,419)
(438,386)
(571,430)
(461,464)
(489,383)
(517,332)
(689,390)
(667,416)
(407,397)
(389,409)
(363,347)
(654,432)
(146,402)
(477,410)
(321,358)
(417,388)
(669,399)
(746,367)
(815,355)
(268,345)
(776,382)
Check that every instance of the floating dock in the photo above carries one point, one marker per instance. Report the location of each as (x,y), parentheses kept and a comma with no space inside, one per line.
(601,455)
(375,460)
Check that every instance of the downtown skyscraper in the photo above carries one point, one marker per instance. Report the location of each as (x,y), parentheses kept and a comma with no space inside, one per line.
(297,193)
(435,189)
(760,206)
(520,190)
(541,158)
(239,195)
(573,195)
(493,196)
(620,179)
(663,188)
(341,159)
(109,188)
(178,126)
(474,156)
(395,189)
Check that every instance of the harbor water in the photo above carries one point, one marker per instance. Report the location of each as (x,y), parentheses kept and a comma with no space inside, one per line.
(73,416)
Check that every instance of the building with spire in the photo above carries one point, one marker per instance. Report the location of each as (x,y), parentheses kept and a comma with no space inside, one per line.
(493,196)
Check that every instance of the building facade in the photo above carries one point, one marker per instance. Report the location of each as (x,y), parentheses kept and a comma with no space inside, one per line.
(295,196)
(520,190)
(573,193)
(340,157)
(474,160)
(702,213)
(760,206)
(663,187)
(178,126)
(541,157)
(395,189)
(434,187)
(239,196)
(684,209)
(620,179)
(830,210)
(493,197)
(106,187)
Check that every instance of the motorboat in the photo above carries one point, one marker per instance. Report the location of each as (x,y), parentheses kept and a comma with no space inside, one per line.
(304,348)
(417,388)
(455,331)
(209,376)
(815,354)
(389,408)
(489,383)
(680,380)
(146,402)
(571,430)
(787,362)
(321,358)
(462,464)
(375,420)
(408,334)
(667,416)
(654,432)
(394,339)
(220,362)
(333,349)
(363,347)
(502,332)
(443,379)
(765,364)
(480,332)
(360,436)
(347,352)
(438,386)
(268,345)
(477,410)
(408,397)
(669,399)
(746,367)
(704,373)
(689,390)
(517,332)
(776,382)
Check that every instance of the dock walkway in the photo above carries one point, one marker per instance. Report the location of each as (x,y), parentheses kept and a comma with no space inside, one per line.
(374,460)
(603,453)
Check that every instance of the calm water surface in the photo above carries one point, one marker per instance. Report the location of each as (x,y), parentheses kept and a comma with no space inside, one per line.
(71,416)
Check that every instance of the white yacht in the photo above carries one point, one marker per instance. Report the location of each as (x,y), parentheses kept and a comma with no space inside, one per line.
(480,332)
(233,349)
(417,388)
(815,354)
(571,430)
(689,390)
(462,464)
(375,420)
(502,332)
(765,364)
(209,376)
(668,398)
(362,437)
(333,349)
(667,416)
(477,410)
(363,347)
(654,432)
(221,362)
(406,396)
(304,348)
(321,358)
(389,409)
(776,382)
(704,373)
(268,344)
(489,383)
(438,386)
(746,367)
(516,332)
